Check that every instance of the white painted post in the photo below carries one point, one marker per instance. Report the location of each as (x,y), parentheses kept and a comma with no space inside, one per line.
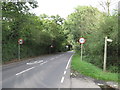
(18,51)
(105,54)
(81,51)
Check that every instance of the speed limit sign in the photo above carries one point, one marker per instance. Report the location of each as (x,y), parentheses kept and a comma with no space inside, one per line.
(20,41)
(82,40)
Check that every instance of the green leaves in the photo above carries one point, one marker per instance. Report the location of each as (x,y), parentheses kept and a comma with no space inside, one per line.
(38,33)
(93,25)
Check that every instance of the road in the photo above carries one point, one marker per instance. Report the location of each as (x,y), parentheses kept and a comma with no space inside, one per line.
(48,71)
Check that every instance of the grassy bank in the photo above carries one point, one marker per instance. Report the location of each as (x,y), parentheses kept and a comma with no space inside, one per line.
(91,70)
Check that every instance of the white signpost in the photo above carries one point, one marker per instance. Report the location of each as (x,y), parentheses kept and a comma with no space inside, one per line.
(20,41)
(105,52)
(81,41)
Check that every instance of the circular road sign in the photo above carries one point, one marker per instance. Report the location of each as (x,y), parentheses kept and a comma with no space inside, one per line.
(20,41)
(82,40)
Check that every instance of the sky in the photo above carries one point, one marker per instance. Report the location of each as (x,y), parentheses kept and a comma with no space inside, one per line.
(66,7)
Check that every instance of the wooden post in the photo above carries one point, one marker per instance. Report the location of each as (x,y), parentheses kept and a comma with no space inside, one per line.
(105,54)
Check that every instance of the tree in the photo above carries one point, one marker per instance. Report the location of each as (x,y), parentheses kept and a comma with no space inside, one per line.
(93,25)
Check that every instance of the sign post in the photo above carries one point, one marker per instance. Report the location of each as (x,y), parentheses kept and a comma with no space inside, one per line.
(20,41)
(105,52)
(18,51)
(81,41)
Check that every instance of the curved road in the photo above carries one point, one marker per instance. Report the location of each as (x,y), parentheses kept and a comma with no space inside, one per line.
(48,71)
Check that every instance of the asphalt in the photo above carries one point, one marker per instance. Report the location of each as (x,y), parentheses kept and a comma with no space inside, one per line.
(49,71)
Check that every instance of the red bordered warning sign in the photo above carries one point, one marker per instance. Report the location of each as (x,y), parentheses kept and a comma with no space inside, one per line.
(82,40)
(20,41)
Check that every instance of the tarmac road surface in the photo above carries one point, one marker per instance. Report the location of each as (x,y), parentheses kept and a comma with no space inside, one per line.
(47,71)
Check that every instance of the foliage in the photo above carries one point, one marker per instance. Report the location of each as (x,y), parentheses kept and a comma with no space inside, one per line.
(93,25)
(38,33)
(50,34)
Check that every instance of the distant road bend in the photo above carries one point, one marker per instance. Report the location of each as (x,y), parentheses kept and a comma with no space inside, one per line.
(48,71)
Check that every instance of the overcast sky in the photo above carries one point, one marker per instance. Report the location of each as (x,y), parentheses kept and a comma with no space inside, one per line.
(65,7)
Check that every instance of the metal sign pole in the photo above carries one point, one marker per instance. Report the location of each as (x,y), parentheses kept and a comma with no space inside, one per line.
(18,51)
(105,54)
(20,41)
(81,51)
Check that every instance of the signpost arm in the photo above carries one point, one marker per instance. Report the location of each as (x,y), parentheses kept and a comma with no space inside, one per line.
(105,54)
(81,51)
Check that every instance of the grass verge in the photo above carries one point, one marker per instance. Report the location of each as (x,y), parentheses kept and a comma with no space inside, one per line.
(89,69)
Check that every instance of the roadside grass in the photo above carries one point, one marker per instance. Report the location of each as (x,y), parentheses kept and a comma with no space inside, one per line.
(89,69)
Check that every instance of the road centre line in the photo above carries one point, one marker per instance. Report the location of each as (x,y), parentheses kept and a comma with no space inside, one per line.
(25,70)
(62,79)
(69,62)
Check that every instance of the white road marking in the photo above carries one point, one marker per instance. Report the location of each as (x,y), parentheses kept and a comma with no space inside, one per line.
(115,85)
(100,84)
(62,79)
(64,72)
(43,62)
(25,71)
(68,62)
(35,62)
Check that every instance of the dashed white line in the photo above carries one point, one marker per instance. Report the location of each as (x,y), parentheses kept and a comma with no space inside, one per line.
(25,71)
(62,79)
(68,62)
(64,72)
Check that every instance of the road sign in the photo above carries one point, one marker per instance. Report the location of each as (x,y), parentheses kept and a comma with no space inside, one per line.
(82,40)
(20,41)
(109,40)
